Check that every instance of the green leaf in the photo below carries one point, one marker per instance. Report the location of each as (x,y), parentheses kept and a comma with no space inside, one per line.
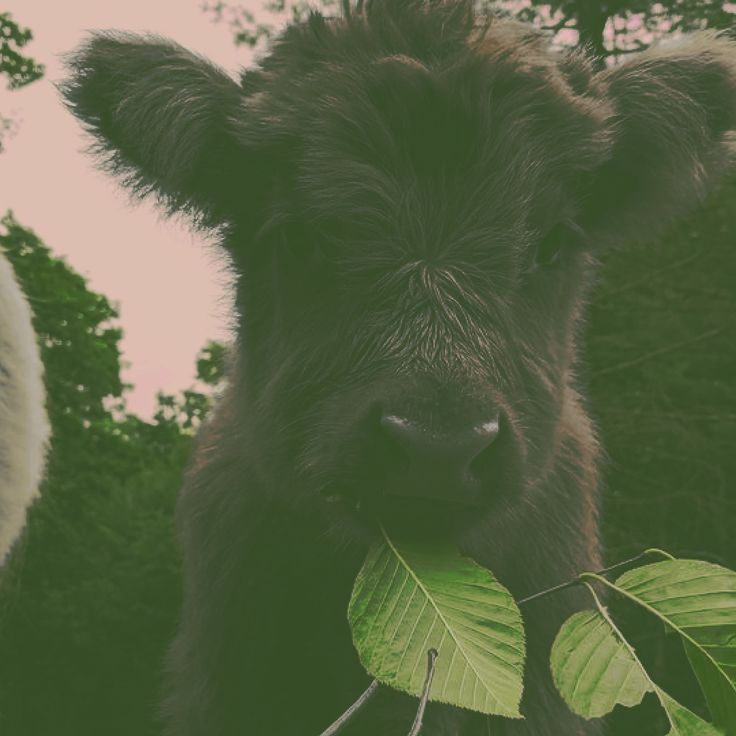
(595,669)
(683,721)
(717,691)
(409,598)
(697,600)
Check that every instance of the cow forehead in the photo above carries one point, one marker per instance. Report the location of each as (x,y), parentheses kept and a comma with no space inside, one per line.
(479,112)
(487,155)
(478,213)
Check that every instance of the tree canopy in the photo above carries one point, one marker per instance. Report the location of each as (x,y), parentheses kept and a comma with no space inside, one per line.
(18,69)
(88,601)
(609,28)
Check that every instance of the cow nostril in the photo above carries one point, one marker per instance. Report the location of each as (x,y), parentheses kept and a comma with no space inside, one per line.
(394,456)
(485,464)
(433,460)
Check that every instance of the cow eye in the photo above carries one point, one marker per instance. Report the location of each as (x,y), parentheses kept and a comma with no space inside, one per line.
(563,237)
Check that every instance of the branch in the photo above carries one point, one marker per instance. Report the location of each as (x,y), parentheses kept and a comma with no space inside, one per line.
(555,27)
(432,654)
(607,294)
(605,571)
(654,353)
(617,51)
(358,705)
(419,719)
(361,702)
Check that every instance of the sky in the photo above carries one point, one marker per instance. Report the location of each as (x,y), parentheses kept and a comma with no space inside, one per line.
(170,288)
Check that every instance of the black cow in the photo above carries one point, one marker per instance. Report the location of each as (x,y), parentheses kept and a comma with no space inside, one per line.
(412,199)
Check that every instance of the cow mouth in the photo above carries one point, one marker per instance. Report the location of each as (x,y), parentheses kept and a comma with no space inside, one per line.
(410,518)
(368,492)
(407,517)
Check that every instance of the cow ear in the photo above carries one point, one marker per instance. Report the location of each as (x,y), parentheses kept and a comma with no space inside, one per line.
(674,132)
(163,120)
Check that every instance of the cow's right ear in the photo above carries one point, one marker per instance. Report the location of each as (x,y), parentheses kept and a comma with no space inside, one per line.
(674,135)
(164,121)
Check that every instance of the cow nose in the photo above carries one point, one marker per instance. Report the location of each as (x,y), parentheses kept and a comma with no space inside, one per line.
(432,463)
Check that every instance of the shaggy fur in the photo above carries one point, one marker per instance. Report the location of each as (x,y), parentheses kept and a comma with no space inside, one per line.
(412,199)
(24,429)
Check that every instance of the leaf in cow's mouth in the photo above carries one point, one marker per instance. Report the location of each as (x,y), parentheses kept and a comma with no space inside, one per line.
(412,597)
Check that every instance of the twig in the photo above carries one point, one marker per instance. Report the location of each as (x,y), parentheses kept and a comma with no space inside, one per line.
(606,294)
(419,719)
(358,705)
(562,23)
(657,551)
(605,571)
(432,654)
(655,353)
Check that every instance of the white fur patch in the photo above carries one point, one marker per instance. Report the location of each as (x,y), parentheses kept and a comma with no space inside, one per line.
(24,428)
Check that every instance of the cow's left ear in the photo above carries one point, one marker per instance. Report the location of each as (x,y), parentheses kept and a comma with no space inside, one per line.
(163,121)
(674,133)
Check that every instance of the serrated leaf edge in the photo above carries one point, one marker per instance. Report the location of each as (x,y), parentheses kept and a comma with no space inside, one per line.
(635,599)
(505,713)
(662,696)
(440,615)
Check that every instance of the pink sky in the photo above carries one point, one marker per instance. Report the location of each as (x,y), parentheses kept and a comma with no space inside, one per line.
(171,293)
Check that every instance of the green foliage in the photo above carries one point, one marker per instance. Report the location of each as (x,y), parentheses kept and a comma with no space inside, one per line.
(20,70)
(251,30)
(79,343)
(409,598)
(718,690)
(88,603)
(660,361)
(606,28)
(211,363)
(612,29)
(660,364)
(188,410)
(410,601)
(595,668)
(698,601)
(591,689)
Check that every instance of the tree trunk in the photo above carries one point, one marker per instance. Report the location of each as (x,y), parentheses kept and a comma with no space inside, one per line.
(592,16)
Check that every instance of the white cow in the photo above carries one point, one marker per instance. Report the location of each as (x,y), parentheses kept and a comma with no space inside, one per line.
(24,428)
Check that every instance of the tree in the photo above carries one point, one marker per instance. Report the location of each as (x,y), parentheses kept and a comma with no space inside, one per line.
(75,327)
(609,28)
(88,602)
(20,70)
(190,408)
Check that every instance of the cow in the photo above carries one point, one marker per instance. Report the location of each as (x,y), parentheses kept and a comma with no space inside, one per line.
(413,200)
(24,427)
